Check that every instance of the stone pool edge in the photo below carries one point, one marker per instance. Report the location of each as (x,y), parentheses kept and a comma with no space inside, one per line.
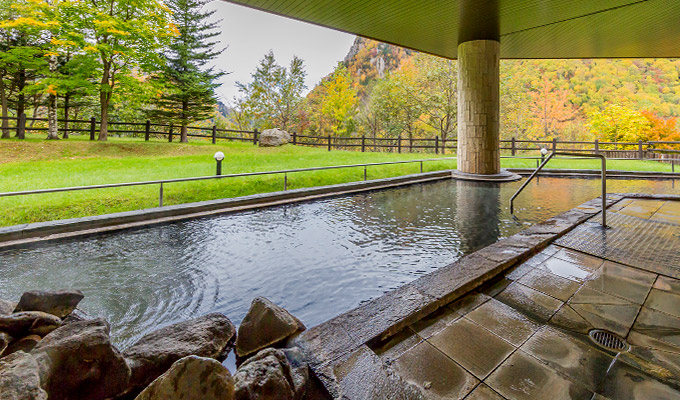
(349,337)
(49,231)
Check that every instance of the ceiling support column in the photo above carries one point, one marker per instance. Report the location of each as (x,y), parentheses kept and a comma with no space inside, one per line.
(479,107)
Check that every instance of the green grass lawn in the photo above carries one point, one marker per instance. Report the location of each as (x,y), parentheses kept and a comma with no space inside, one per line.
(39,164)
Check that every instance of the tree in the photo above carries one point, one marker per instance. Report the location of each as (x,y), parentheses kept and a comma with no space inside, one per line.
(20,56)
(128,36)
(274,96)
(437,81)
(340,101)
(661,129)
(619,124)
(550,108)
(189,87)
(396,101)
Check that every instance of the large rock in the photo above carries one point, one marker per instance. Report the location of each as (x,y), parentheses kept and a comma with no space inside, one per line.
(7,307)
(265,325)
(273,137)
(25,344)
(59,303)
(5,340)
(267,375)
(77,361)
(192,378)
(210,336)
(20,378)
(29,322)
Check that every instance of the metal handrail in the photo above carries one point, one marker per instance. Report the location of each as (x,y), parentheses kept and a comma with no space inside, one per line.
(285,172)
(604,180)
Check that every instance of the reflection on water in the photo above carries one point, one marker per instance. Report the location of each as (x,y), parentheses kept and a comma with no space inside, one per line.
(316,259)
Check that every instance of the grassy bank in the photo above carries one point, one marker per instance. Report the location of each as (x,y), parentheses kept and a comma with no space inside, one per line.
(39,164)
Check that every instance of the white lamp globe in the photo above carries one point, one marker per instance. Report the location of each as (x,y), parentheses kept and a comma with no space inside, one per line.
(219,156)
(544,151)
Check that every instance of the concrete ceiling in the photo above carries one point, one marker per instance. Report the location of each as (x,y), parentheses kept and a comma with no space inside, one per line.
(526,28)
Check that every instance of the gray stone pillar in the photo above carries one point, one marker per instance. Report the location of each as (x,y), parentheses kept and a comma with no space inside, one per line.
(478,107)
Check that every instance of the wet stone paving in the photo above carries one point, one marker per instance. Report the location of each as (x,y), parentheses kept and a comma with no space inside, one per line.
(526,335)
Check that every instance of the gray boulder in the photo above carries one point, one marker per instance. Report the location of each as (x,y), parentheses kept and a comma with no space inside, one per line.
(273,138)
(192,378)
(7,307)
(59,303)
(266,324)
(19,378)
(210,336)
(77,361)
(267,375)
(29,322)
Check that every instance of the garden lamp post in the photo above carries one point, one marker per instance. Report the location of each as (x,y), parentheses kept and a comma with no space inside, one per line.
(544,152)
(219,156)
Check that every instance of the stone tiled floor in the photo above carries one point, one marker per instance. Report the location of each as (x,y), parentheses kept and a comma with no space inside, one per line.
(642,233)
(525,335)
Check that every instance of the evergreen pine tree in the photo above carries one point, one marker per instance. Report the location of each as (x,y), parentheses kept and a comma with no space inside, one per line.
(188,93)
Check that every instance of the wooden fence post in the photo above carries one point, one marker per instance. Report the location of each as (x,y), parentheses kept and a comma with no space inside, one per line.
(294,138)
(170,133)
(329,142)
(399,144)
(214,134)
(21,126)
(513,146)
(255,136)
(363,143)
(93,123)
(436,145)
(640,154)
(147,130)
(597,146)
(554,145)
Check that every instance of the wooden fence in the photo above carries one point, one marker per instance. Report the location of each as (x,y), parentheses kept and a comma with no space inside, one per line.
(147,129)
(514,147)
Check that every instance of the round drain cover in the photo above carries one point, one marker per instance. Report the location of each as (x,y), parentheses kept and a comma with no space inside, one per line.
(608,340)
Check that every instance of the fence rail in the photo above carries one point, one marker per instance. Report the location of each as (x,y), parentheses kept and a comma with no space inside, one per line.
(162,182)
(652,150)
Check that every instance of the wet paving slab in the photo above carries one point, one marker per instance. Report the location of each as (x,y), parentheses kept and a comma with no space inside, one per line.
(525,334)
(528,332)
(644,233)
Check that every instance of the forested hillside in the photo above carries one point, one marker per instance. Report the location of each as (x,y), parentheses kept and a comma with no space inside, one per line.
(396,91)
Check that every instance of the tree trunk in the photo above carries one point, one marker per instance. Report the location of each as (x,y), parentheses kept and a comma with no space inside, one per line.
(21,102)
(183,137)
(5,114)
(66,110)
(104,98)
(52,124)
(104,124)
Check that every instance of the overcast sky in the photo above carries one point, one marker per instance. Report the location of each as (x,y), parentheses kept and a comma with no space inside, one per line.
(250,34)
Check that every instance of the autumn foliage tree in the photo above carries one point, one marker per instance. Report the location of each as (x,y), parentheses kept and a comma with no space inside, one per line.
(340,101)
(127,36)
(551,109)
(661,129)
